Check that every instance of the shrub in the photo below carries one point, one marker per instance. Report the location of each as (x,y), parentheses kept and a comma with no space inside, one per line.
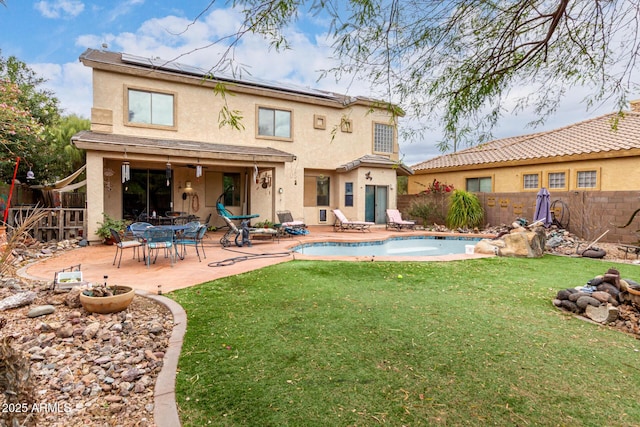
(465,210)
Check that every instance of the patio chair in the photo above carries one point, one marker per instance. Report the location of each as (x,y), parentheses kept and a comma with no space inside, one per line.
(192,238)
(342,223)
(291,226)
(156,239)
(121,245)
(394,220)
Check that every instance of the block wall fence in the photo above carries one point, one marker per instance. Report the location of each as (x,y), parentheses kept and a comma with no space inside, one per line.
(587,214)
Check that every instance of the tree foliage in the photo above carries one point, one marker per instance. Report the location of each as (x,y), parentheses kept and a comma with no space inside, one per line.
(463,63)
(27,116)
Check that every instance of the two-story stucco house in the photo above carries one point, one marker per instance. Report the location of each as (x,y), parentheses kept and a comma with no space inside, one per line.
(158,143)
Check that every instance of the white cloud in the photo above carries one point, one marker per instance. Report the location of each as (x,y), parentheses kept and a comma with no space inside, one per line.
(173,37)
(122,9)
(59,8)
(71,83)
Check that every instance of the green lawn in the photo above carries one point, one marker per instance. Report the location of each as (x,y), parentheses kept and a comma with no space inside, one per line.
(476,342)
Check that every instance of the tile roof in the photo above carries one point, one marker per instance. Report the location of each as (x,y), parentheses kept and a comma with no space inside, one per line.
(593,137)
(373,160)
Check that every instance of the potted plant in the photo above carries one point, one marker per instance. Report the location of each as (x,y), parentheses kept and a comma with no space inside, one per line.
(105,299)
(109,222)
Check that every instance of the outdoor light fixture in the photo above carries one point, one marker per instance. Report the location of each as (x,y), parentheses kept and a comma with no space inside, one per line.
(188,185)
(126,172)
(30,174)
(168,173)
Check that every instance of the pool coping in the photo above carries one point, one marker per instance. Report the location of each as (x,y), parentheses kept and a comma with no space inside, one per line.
(397,258)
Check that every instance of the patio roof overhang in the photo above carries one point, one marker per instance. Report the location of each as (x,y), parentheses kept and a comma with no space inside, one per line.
(374,161)
(95,141)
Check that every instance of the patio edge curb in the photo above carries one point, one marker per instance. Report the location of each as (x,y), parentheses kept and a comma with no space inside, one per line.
(165,409)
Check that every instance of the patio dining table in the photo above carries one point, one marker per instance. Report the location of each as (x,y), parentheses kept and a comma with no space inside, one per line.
(176,228)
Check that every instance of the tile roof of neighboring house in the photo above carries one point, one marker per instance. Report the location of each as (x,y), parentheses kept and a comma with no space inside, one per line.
(590,138)
(103,58)
(372,160)
(114,142)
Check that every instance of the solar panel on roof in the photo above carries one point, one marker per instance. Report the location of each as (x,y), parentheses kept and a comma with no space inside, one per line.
(201,72)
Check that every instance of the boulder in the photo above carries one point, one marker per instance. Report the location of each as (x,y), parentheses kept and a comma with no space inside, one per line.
(605,313)
(584,302)
(17,300)
(524,244)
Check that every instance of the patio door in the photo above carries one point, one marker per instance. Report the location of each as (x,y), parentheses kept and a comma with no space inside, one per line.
(147,191)
(375,203)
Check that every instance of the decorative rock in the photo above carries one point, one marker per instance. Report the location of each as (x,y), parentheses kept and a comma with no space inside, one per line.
(574,297)
(583,302)
(609,288)
(65,331)
(569,305)
(73,298)
(41,310)
(602,314)
(563,294)
(131,374)
(17,300)
(529,244)
(91,330)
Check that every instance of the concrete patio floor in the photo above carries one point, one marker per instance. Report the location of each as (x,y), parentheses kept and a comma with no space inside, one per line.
(96,260)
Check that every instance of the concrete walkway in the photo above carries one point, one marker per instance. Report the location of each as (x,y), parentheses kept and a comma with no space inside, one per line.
(96,260)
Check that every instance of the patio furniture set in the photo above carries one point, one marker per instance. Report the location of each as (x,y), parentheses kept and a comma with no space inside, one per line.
(172,239)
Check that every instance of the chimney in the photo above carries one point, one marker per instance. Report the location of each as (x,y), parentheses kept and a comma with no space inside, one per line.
(635,105)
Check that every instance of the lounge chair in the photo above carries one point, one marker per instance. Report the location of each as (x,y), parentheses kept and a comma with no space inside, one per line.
(394,220)
(223,212)
(291,226)
(236,234)
(342,223)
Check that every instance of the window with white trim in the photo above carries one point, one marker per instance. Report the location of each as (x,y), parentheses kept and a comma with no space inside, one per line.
(272,122)
(531,181)
(557,180)
(587,179)
(383,138)
(151,108)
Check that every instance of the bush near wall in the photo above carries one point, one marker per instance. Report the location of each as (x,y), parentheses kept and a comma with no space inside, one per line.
(587,214)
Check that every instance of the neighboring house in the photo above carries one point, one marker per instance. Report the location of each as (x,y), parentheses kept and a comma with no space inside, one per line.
(590,155)
(157,144)
(591,168)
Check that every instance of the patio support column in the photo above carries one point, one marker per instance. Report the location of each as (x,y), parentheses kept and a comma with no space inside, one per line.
(95,193)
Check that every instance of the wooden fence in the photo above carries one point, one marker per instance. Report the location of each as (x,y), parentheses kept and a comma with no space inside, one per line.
(58,224)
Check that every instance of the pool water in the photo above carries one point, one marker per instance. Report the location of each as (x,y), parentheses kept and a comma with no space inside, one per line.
(397,246)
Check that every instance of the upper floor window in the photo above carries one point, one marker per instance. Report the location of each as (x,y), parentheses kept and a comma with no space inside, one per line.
(479,185)
(382,138)
(587,179)
(150,108)
(531,181)
(272,122)
(557,180)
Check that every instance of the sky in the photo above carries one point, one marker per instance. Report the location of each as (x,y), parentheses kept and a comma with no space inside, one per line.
(50,35)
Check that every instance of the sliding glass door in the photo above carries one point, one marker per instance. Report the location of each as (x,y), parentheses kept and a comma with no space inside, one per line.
(147,191)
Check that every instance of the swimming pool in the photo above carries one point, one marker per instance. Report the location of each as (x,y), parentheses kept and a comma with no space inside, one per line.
(395,246)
